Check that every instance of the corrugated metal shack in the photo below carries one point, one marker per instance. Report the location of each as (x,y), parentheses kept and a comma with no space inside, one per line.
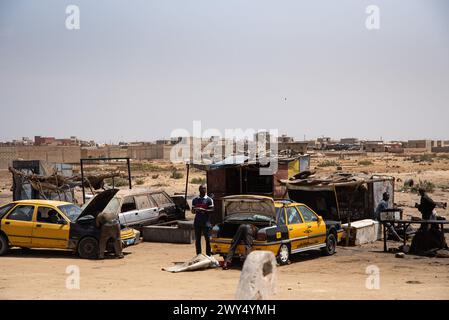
(240,175)
(342,196)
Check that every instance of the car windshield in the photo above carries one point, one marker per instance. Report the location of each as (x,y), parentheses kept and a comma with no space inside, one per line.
(249,217)
(71,211)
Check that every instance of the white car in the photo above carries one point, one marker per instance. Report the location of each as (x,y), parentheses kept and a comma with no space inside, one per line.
(139,207)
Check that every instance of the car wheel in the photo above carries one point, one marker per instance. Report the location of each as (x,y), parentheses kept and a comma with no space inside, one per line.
(283,254)
(331,244)
(88,248)
(4,245)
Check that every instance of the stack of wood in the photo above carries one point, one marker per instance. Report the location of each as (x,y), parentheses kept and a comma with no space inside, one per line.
(56,182)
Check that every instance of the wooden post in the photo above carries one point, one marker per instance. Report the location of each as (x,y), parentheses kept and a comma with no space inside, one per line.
(187,186)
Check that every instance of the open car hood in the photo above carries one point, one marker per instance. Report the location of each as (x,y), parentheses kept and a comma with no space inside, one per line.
(98,203)
(250,205)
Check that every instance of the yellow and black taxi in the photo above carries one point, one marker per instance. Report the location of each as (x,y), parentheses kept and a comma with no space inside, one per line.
(57,224)
(284,227)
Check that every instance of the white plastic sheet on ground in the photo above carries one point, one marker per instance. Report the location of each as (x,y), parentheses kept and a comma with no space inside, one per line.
(199,262)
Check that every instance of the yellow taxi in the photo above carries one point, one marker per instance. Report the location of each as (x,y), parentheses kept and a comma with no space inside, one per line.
(284,227)
(56,224)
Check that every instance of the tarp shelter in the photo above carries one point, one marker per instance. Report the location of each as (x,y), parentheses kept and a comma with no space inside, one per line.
(24,188)
(342,196)
(241,175)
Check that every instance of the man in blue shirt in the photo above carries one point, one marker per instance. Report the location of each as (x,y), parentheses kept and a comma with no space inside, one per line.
(202,206)
(383,206)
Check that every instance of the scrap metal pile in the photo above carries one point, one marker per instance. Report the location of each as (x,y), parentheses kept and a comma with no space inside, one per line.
(57,183)
(309,178)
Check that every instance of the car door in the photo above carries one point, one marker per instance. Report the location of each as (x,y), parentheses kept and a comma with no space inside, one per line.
(316,228)
(48,232)
(148,210)
(165,204)
(129,211)
(297,229)
(18,225)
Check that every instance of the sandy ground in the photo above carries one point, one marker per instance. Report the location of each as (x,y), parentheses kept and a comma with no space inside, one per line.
(41,274)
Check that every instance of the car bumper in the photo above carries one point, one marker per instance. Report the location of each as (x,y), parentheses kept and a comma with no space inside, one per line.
(132,240)
(221,246)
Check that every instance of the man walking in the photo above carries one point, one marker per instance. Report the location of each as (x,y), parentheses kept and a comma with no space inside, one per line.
(202,206)
(110,228)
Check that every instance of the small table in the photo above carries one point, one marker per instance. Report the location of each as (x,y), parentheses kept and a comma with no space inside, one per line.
(406,224)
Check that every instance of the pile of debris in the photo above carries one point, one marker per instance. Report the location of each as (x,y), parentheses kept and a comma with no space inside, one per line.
(54,185)
(340,196)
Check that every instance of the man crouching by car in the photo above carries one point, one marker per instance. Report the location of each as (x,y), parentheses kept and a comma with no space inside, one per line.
(246,233)
(110,228)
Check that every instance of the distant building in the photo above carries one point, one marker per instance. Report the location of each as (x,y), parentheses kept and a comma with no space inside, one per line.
(420,144)
(44,141)
(374,146)
(285,139)
(349,140)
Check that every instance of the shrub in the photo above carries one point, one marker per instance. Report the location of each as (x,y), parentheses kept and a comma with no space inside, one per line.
(328,163)
(176,175)
(422,158)
(443,157)
(120,182)
(155,176)
(365,163)
(426,185)
(140,182)
(198,180)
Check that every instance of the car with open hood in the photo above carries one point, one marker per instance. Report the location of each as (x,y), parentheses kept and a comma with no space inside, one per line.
(284,227)
(141,207)
(56,224)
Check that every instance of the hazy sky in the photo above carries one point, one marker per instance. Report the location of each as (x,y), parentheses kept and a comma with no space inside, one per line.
(136,70)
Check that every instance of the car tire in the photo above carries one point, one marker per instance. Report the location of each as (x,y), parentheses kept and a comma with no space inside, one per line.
(283,256)
(4,245)
(88,248)
(331,244)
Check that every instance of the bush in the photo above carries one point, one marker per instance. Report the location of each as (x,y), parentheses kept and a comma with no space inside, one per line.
(120,182)
(422,158)
(155,176)
(365,163)
(426,185)
(443,157)
(198,180)
(140,182)
(328,163)
(176,175)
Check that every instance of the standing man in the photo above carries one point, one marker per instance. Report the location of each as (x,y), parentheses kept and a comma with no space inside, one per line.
(110,228)
(202,206)
(383,206)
